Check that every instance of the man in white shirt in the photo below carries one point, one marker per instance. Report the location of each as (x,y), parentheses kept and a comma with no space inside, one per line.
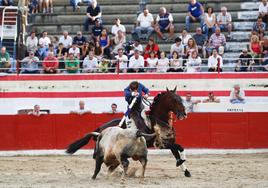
(82,110)
(237,95)
(118,26)
(90,63)
(215,62)
(224,21)
(263,11)
(122,60)
(32,43)
(66,40)
(189,103)
(44,41)
(145,23)
(136,62)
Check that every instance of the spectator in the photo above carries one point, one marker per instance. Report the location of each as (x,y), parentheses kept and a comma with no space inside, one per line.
(29,65)
(191,46)
(195,14)
(163,63)
(255,47)
(136,46)
(36,111)
(98,50)
(259,27)
(82,110)
(72,64)
(90,63)
(118,26)
(75,51)
(61,54)
(189,103)
(224,21)
(114,109)
(104,65)
(93,12)
(122,60)
(151,46)
(217,41)
(176,63)
(119,41)
(105,43)
(215,63)
(164,22)
(185,37)
(75,4)
(244,62)
(177,47)
(7,3)
(201,41)
(145,23)
(50,49)
(211,98)
(55,41)
(152,61)
(4,60)
(96,30)
(193,63)
(33,6)
(265,62)
(136,62)
(46,6)
(263,11)
(237,95)
(87,46)
(66,40)
(79,40)
(44,40)
(209,22)
(32,43)
(50,64)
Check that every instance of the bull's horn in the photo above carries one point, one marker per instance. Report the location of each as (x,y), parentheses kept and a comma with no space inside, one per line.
(94,133)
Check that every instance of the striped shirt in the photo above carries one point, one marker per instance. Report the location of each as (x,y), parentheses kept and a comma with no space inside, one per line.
(217,41)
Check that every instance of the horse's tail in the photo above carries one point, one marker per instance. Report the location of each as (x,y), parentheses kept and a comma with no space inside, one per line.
(72,148)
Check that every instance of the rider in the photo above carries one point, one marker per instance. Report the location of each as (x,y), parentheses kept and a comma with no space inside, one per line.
(135,89)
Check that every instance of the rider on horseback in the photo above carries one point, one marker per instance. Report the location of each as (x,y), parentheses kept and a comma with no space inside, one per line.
(135,89)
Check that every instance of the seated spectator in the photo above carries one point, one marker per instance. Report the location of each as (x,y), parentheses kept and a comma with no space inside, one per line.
(163,63)
(152,61)
(5,63)
(122,60)
(105,43)
(72,64)
(7,3)
(255,47)
(75,4)
(164,23)
(75,51)
(263,11)
(135,46)
(217,41)
(191,46)
(195,14)
(93,12)
(211,98)
(36,111)
(151,46)
(61,54)
(119,41)
(32,43)
(193,63)
(215,63)
(82,110)
(185,37)
(79,40)
(29,64)
(33,6)
(90,63)
(189,103)
(209,22)
(96,30)
(244,62)
(104,65)
(50,49)
(259,27)
(237,95)
(98,51)
(176,63)
(145,23)
(86,48)
(136,62)
(224,21)
(66,40)
(201,41)
(44,42)
(118,26)
(177,47)
(50,64)
(46,6)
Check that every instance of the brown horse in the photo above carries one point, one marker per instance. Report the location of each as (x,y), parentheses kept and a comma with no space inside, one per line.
(159,116)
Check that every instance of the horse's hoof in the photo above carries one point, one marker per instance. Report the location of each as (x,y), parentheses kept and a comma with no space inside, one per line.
(93,177)
(179,162)
(187,173)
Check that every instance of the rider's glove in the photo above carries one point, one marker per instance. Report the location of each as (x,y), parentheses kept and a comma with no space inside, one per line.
(136,94)
(146,96)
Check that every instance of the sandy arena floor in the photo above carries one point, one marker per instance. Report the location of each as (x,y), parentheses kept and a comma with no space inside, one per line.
(238,171)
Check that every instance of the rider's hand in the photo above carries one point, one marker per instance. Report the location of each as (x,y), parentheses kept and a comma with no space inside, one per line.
(134,93)
(146,96)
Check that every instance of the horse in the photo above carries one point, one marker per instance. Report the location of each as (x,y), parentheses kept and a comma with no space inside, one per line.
(163,105)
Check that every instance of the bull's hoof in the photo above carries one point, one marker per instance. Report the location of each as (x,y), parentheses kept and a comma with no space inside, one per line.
(187,173)
(179,162)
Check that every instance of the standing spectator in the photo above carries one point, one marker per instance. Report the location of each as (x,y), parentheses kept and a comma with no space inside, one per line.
(81,110)
(151,46)
(136,62)
(177,47)
(122,60)
(113,109)
(72,64)
(176,63)
(244,62)
(118,26)
(191,46)
(4,60)
(164,22)
(66,40)
(35,111)
(29,65)
(163,63)
(195,14)
(209,22)
(215,63)
(75,51)
(145,23)
(189,103)
(259,27)
(79,40)
(201,41)
(119,41)
(237,95)
(50,64)
(216,41)
(93,12)
(211,98)
(105,43)
(185,37)
(193,63)
(32,43)
(96,30)
(224,21)
(263,11)
(75,4)
(152,61)
(90,63)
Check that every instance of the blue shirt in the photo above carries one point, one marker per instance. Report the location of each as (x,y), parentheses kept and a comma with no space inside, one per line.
(129,97)
(195,9)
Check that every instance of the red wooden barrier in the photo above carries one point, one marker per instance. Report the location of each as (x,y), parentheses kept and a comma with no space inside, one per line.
(199,130)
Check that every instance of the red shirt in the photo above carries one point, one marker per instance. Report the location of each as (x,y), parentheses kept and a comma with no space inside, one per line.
(50,62)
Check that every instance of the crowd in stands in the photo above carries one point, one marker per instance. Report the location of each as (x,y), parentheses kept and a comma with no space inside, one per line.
(109,51)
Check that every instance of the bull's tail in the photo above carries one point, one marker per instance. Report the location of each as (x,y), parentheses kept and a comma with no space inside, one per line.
(72,148)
